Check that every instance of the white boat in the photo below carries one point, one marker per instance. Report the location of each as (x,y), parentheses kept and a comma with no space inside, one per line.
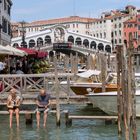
(107,101)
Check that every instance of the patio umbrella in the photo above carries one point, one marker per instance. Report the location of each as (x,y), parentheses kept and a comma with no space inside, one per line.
(9,50)
(4,50)
(16,51)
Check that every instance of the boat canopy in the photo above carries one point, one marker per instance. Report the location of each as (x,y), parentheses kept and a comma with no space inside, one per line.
(89,73)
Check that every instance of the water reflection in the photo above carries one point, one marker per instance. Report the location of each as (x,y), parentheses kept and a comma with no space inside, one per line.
(14,134)
(80,130)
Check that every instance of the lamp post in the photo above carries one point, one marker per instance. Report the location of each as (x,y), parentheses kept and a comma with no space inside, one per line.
(23,33)
(0,22)
(0,34)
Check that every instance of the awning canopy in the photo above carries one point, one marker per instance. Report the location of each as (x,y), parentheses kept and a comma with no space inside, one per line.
(39,54)
(9,50)
(89,73)
(28,51)
(16,51)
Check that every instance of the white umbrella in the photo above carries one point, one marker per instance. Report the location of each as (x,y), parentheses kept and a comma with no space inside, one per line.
(4,50)
(16,51)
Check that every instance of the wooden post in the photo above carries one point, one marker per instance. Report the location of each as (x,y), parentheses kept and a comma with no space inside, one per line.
(88,62)
(108,62)
(103,70)
(68,121)
(119,103)
(132,97)
(68,88)
(57,94)
(76,63)
(125,93)
(29,119)
(71,62)
(67,63)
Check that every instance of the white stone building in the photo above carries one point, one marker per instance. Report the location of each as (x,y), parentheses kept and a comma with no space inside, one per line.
(74,23)
(5,26)
(110,26)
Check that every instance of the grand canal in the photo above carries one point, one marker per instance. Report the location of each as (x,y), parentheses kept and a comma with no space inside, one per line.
(80,129)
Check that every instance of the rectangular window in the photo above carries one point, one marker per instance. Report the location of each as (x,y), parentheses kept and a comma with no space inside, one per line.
(77,25)
(139,27)
(9,29)
(4,26)
(73,25)
(5,5)
(9,10)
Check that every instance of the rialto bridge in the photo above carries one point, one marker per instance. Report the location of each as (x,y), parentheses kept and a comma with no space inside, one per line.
(45,39)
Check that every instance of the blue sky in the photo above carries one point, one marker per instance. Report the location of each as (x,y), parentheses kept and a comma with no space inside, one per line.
(31,10)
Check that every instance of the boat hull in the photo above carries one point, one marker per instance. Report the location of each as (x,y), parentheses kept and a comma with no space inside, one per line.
(108,102)
(81,89)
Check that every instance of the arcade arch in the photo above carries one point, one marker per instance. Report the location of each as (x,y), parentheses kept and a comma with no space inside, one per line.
(100,46)
(71,39)
(48,39)
(39,42)
(86,43)
(108,48)
(78,41)
(93,45)
(31,43)
(24,45)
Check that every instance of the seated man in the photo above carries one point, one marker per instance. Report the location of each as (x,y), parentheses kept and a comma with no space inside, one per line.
(43,102)
(13,103)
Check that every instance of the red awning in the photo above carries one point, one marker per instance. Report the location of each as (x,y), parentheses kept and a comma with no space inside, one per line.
(28,51)
(39,54)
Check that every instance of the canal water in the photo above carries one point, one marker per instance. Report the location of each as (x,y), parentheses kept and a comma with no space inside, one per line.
(80,129)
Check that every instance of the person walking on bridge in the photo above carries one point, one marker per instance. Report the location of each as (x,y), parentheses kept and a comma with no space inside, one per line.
(43,102)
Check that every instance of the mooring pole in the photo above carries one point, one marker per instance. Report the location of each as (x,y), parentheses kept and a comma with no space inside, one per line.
(119,64)
(125,93)
(57,94)
(132,85)
(103,70)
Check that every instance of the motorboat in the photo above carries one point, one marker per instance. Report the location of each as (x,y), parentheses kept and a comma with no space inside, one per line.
(91,79)
(107,101)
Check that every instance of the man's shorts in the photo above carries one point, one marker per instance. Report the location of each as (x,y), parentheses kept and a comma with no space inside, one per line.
(42,110)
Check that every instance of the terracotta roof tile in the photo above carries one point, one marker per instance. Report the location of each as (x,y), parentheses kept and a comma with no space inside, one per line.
(132,20)
(62,20)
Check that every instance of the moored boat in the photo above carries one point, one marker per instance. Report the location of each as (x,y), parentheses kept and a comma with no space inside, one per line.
(107,101)
(91,79)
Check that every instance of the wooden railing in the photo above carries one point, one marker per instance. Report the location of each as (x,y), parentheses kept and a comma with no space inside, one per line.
(27,83)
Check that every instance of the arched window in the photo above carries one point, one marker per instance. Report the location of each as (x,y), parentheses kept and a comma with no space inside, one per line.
(71,39)
(93,45)
(31,43)
(39,42)
(78,41)
(48,39)
(108,48)
(86,43)
(100,47)
(24,45)
(15,45)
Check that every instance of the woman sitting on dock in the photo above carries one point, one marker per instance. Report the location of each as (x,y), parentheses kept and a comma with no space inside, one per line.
(13,103)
